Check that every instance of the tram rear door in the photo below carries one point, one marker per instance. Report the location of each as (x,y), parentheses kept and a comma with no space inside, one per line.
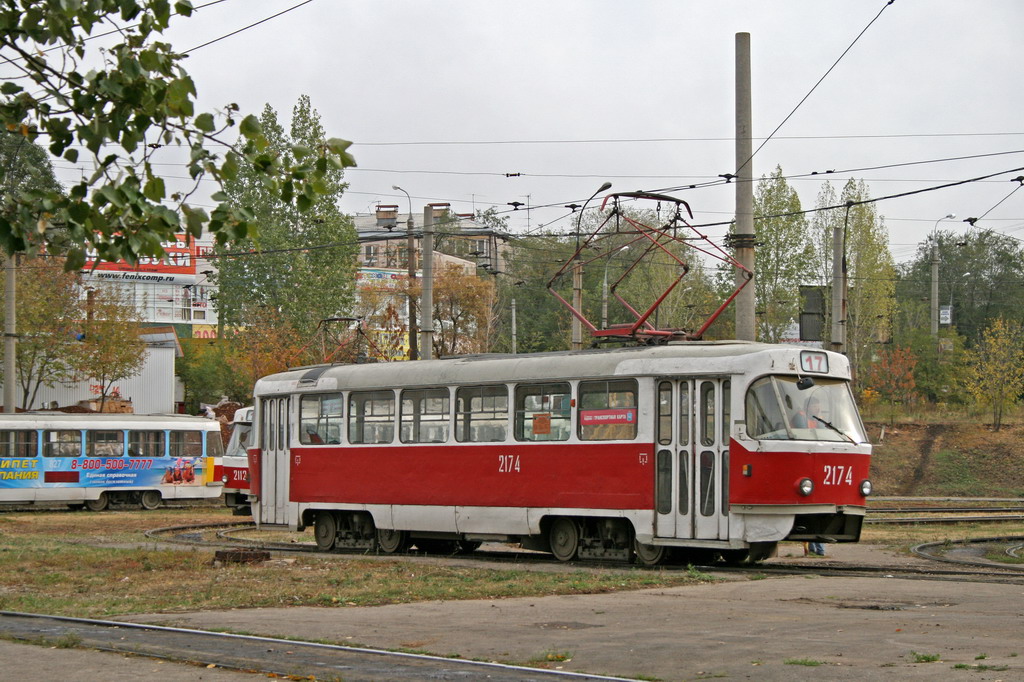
(691,497)
(275,425)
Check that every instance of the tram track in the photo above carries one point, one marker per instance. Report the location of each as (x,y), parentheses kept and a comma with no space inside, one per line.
(269,656)
(987,571)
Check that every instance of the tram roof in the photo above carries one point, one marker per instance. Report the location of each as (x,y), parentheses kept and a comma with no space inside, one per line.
(683,358)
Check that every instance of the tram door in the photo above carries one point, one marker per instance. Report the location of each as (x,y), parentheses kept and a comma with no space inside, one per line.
(691,495)
(274,430)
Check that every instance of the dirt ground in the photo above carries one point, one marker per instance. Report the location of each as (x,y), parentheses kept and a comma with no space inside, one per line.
(776,628)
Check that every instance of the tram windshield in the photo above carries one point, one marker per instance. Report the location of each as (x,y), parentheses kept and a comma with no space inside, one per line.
(785,408)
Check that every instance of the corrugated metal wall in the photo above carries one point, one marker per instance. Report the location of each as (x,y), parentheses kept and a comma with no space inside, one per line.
(151,391)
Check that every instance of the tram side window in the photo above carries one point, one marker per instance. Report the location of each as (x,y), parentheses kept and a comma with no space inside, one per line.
(320,419)
(607,410)
(104,443)
(145,443)
(18,443)
(425,415)
(186,443)
(481,414)
(214,444)
(707,413)
(62,444)
(371,417)
(543,412)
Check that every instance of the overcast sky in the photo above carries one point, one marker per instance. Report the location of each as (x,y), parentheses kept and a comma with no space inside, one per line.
(444,98)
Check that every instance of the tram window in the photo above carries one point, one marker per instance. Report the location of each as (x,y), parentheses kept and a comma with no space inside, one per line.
(425,416)
(685,412)
(320,419)
(186,443)
(707,483)
(18,443)
(543,412)
(607,410)
(481,414)
(62,444)
(663,482)
(726,410)
(214,444)
(104,443)
(664,413)
(707,413)
(371,417)
(145,443)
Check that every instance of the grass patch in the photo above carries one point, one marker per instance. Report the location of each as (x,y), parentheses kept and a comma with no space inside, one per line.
(101,565)
(925,658)
(977,667)
(810,662)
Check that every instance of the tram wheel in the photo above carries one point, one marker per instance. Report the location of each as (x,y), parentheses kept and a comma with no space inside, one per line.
(466,546)
(649,555)
(325,530)
(99,504)
(391,541)
(564,538)
(150,499)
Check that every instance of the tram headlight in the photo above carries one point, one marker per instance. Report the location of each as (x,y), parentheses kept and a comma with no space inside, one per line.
(865,487)
(224,479)
(805,487)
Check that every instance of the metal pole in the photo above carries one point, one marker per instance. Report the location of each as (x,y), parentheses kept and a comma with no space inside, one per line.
(10,336)
(577,303)
(935,289)
(411,253)
(513,326)
(427,297)
(744,236)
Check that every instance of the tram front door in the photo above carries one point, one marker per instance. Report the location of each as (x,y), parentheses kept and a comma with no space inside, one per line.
(274,431)
(691,496)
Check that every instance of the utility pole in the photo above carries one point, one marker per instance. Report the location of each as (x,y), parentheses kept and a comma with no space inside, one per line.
(513,326)
(838,335)
(411,253)
(10,334)
(744,237)
(427,297)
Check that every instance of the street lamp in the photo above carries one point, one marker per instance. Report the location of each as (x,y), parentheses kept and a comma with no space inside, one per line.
(411,257)
(935,273)
(604,291)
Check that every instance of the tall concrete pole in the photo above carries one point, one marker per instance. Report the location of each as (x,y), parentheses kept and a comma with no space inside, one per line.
(10,336)
(513,326)
(744,236)
(838,335)
(935,288)
(427,297)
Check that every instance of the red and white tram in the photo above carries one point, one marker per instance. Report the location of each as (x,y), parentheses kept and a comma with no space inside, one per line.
(235,472)
(715,447)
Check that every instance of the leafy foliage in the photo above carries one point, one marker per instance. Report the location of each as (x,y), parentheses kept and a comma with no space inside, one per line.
(135,99)
(111,349)
(49,315)
(302,263)
(892,377)
(462,311)
(997,367)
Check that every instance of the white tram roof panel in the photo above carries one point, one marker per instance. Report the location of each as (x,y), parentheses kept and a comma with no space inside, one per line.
(109,420)
(682,358)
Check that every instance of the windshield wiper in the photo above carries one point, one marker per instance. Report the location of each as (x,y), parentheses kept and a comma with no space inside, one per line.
(833,427)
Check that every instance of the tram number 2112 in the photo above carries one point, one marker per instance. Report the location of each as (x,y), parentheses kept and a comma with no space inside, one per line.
(508,464)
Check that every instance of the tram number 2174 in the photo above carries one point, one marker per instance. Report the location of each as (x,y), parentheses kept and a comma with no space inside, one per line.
(508,464)
(838,475)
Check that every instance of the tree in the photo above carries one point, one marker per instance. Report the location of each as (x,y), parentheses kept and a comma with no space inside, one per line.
(49,316)
(301,264)
(206,374)
(462,310)
(870,270)
(266,346)
(997,367)
(892,378)
(111,349)
(134,100)
(784,258)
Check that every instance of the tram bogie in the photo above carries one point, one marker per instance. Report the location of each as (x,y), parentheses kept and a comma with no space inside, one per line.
(639,454)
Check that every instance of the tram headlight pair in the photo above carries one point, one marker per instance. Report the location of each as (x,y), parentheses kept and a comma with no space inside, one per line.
(805,487)
(865,487)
